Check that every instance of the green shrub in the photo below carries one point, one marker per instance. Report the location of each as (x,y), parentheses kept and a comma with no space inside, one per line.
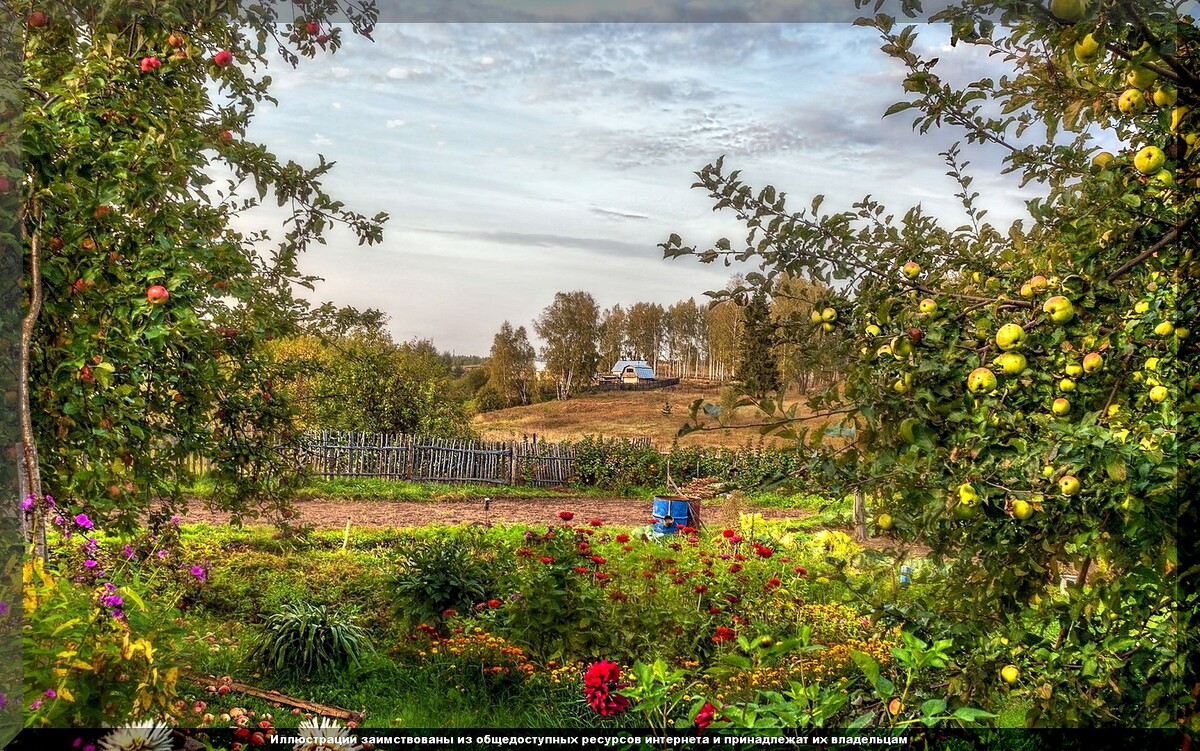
(452,571)
(307,640)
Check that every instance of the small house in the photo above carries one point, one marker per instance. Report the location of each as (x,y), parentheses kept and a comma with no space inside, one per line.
(633,371)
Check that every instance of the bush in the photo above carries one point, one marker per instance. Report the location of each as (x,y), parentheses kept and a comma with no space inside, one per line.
(307,640)
(454,571)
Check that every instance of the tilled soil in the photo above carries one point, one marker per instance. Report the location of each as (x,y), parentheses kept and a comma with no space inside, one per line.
(327,514)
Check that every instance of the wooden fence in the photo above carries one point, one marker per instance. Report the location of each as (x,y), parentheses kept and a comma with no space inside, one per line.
(332,454)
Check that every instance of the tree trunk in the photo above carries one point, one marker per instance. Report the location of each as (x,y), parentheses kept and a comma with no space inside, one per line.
(860,516)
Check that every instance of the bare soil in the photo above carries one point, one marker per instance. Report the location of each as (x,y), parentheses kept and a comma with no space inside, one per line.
(333,514)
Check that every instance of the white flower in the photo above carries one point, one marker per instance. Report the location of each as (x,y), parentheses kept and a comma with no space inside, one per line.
(323,734)
(149,736)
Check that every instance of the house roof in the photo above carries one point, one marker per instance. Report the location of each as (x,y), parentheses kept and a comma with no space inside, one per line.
(641,367)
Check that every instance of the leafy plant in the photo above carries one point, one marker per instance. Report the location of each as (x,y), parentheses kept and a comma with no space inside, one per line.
(306,640)
(439,574)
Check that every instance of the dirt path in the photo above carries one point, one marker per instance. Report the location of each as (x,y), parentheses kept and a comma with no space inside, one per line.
(326,514)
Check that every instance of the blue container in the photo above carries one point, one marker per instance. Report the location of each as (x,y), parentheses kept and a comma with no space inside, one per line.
(670,513)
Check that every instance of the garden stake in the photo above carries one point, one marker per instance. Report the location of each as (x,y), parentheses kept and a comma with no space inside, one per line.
(346,537)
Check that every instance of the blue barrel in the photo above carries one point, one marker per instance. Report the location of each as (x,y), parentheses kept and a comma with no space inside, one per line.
(670,513)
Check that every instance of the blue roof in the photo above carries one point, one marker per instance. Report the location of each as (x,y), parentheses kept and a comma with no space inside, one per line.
(641,367)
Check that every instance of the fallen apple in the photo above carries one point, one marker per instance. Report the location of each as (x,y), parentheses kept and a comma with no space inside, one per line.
(1010,674)
(1061,406)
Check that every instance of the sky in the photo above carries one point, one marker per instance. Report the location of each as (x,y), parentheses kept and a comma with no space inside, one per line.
(521,160)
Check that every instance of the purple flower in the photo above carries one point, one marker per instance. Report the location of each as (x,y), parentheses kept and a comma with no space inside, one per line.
(161,554)
(129,551)
(112,601)
(58,520)
(49,501)
(90,563)
(515,596)
(51,693)
(119,614)
(110,586)
(27,504)
(90,545)
(198,572)
(36,705)
(174,519)
(83,521)
(3,612)
(3,701)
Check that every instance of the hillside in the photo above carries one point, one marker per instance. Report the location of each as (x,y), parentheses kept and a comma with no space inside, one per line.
(623,414)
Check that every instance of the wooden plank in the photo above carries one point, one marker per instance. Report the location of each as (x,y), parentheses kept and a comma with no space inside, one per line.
(325,710)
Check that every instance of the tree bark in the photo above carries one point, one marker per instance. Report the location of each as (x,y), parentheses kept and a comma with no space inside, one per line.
(31,477)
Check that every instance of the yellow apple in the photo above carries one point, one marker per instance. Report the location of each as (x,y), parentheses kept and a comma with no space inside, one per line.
(1022,509)
(816,316)
(1039,283)
(1061,406)
(884,521)
(1140,77)
(828,315)
(1177,115)
(911,270)
(1010,674)
(1150,364)
(900,387)
(1181,332)
(1166,96)
(1158,394)
(1060,309)
(1132,102)
(1073,370)
(1068,484)
(1102,160)
(884,350)
(1066,384)
(828,328)
(1087,49)
(967,495)
(928,305)
(1068,11)
(1011,363)
(873,330)
(981,381)
(1092,362)
(1010,336)
(1166,328)
(1149,160)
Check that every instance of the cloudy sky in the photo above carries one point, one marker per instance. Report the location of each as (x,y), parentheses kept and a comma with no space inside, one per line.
(521,160)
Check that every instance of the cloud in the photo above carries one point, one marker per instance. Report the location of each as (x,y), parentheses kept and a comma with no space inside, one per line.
(395,123)
(617,213)
(320,140)
(487,60)
(604,245)
(399,73)
(340,72)
(336,105)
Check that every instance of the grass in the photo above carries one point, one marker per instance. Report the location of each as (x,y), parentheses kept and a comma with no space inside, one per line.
(379,489)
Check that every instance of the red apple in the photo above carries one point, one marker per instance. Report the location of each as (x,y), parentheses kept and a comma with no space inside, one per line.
(223,59)
(323,38)
(312,27)
(37,20)
(157,294)
(85,375)
(5,184)
(175,39)
(150,64)
(56,244)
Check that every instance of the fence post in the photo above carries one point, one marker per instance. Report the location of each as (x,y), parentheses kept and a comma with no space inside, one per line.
(860,515)
(512,463)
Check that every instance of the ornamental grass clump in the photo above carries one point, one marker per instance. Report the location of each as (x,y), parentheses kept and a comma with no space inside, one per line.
(306,640)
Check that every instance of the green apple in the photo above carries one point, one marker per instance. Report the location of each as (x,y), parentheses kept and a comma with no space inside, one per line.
(1132,102)
(884,521)
(1073,370)
(1092,362)
(1068,484)
(1140,77)
(900,387)
(1149,160)
(828,328)
(1048,471)
(1010,674)
(1061,406)
(1010,336)
(1166,96)
(1068,11)
(1166,328)
(873,330)
(1060,309)
(911,270)
(1177,116)
(928,305)
(1102,160)
(981,381)
(1066,384)
(1011,363)
(1158,394)
(907,427)
(1087,49)
(967,495)
(1022,509)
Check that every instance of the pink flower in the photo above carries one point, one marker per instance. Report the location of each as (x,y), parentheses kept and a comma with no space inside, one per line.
(705,716)
(83,521)
(601,683)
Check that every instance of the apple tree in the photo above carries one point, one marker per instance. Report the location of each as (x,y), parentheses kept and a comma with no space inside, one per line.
(146,304)
(1025,400)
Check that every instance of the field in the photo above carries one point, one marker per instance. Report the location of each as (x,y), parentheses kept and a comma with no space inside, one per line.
(622,414)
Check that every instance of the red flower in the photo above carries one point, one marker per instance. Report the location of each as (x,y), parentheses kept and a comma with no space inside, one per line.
(714,610)
(801,570)
(627,548)
(699,588)
(547,559)
(705,716)
(622,538)
(493,603)
(596,522)
(686,529)
(764,552)
(524,552)
(566,516)
(601,575)
(727,533)
(736,538)
(618,596)
(599,560)
(739,557)
(601,683)
(724,634)
(735,568)
(580,569)
(449,613)
(772,583)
